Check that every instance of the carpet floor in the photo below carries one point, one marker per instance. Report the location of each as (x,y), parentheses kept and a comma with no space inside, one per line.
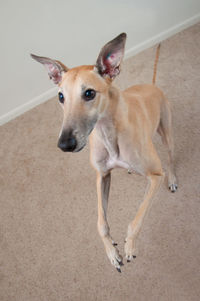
(50,248)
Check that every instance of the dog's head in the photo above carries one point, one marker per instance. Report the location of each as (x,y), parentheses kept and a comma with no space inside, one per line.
(84,92)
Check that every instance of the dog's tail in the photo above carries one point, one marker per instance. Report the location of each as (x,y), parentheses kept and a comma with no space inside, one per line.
(156,64)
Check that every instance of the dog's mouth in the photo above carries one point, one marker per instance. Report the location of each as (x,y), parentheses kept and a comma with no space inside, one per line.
(73,141)
(79,149)
(82,142)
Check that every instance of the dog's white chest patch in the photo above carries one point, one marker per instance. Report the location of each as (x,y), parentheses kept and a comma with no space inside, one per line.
(116,162)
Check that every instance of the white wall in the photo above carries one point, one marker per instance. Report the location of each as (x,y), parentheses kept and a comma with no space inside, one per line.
(73,32)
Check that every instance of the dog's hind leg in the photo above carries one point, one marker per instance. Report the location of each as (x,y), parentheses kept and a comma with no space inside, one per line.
(165,130)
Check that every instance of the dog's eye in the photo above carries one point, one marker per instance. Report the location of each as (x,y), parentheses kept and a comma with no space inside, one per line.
(61,97)
(89,94)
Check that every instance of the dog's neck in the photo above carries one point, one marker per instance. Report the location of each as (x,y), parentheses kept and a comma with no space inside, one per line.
(107,125)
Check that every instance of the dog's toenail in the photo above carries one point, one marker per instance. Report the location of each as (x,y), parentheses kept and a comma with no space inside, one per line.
(119,270)
(134,256)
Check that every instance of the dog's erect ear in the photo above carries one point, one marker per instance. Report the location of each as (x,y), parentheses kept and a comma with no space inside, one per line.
(110,57)
(54,68)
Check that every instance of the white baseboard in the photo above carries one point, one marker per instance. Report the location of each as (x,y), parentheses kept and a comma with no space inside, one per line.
(162,36)
(130,52)
(28,106)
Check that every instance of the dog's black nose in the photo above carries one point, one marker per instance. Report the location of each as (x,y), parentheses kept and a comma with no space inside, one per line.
(67,144)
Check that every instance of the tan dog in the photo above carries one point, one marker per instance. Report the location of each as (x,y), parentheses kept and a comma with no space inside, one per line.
(121,125)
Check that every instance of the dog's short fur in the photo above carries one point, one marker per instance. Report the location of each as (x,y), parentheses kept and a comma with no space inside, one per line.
(121,125)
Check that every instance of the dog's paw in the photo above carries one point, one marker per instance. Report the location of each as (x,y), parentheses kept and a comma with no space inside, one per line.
(113,242)
(114,257)
(172,183)
(173,187)
(129,249)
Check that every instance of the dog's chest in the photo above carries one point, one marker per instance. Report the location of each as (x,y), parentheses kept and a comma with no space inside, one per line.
(120,153)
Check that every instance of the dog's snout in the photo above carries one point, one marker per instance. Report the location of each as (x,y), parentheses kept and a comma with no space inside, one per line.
(67,143)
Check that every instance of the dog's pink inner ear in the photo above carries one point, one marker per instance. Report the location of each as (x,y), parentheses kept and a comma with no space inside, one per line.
(54,68)
(110,57)
(111,64)
(54,73)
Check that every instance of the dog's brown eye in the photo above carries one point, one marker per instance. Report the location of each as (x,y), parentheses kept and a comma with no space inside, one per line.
(89,94)
(61,97)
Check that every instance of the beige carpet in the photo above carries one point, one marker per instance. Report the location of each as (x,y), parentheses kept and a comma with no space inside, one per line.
(50,249)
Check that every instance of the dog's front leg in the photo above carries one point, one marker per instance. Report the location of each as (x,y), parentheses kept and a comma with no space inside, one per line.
(103,187)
